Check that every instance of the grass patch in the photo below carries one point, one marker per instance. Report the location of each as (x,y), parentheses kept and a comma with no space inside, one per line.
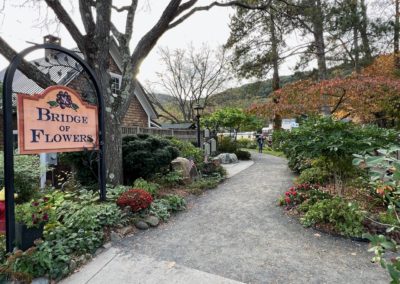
(269,151)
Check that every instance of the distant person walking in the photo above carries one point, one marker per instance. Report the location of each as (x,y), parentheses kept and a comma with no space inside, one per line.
(260,142)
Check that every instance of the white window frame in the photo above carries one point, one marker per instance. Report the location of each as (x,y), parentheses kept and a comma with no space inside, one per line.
(114,75)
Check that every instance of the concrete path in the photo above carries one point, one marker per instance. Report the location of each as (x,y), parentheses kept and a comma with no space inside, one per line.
(235,233)
(234,169)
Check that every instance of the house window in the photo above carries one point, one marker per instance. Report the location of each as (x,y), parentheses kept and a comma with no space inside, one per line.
(115,83)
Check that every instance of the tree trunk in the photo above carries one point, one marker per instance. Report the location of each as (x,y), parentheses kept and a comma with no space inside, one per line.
(363,27)
(318,31)
(113,149)
(356,51)
(396,33)
(355,36)
(277,121)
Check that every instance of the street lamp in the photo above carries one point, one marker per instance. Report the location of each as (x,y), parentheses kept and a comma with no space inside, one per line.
(199,110)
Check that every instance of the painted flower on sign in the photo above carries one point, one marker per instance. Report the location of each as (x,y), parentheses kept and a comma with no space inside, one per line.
(63,100)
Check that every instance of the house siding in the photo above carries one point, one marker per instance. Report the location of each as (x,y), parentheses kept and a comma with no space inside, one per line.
(135,115)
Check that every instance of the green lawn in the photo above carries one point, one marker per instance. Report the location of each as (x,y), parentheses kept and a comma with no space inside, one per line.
(269,151)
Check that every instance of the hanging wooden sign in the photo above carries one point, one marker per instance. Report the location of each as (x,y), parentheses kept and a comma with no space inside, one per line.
(56,120)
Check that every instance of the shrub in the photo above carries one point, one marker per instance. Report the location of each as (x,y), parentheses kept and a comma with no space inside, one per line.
(314,175)
(150,187)
(246,143)
(144,156)
(243,155)
(136,199)
(345,216)
(297,194)
(189,151)
(335,142)
(27,171)
(226,145)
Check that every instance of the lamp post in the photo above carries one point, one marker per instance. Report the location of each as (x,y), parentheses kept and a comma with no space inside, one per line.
(199,109)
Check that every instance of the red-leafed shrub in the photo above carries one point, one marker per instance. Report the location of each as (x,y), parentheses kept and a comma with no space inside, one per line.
(137,199)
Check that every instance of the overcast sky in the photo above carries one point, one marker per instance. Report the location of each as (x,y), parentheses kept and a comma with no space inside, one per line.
(29,23)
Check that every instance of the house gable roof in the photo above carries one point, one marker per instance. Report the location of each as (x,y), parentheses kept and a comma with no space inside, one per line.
(64,69)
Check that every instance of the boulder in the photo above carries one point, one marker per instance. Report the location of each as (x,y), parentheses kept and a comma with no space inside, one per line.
(228,158)
(185,166)
(141,225)
(152,221)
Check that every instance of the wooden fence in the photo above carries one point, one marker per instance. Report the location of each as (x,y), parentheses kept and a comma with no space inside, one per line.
(182,134)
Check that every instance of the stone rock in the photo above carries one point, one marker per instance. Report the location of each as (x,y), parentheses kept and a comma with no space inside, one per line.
(127,210)
(126,230)
(194,173)
(228,158)
(216,161)
(152,221)
(107,245)
(141,225)
(184,166)
(115,237)
(72,265)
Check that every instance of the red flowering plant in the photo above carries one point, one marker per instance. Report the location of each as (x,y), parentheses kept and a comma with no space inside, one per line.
(136,199)
(35,213)
(297,194)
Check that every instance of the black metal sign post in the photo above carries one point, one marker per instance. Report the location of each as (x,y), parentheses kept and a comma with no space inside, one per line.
(8,133)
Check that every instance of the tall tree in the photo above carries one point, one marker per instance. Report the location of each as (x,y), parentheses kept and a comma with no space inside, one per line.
(258,41)
(190,76)
(94,42)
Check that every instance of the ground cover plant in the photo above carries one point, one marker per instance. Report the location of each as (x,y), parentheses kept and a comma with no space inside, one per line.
(76,224)
(348,182)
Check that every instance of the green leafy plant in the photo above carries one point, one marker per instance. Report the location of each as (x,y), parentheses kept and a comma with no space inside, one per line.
(113,192)
(172,178)
(189,151)
(35,213)
(345,216)
(314,175)
(380,245)
(160,208)
(226,145)
(150,187)
(176,202)
(200,185)
(27,171)
(335,142)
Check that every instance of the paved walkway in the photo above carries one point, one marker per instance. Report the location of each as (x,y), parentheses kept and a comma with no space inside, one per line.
(235,233)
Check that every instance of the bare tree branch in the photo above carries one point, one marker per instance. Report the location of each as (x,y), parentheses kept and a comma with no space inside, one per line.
(213,4)
(85,9)
(67,21)
(148,41)
(25,67)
